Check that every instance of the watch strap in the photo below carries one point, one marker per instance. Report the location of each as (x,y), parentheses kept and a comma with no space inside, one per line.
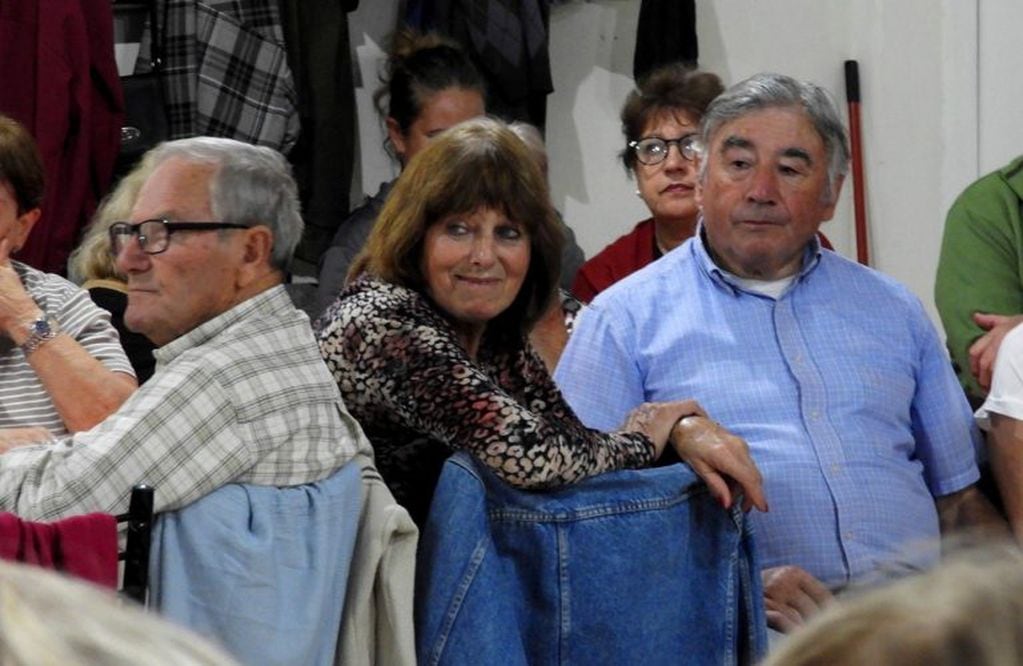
(39,332)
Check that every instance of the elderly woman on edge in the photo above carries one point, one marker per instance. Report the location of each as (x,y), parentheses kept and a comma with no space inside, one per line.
(429,346)
(49,618)
(62,369)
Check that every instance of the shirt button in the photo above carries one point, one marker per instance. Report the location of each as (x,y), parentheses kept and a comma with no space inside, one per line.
(836,468)
(848,536)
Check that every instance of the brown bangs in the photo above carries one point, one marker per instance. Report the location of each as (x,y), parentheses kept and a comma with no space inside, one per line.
(488,178)
(478,164)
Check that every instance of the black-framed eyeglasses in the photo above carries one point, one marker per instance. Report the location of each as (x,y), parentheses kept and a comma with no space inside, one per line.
(654,149)
(154,235)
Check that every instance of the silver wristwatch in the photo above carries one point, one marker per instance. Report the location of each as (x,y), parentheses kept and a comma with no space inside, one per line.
(39,331)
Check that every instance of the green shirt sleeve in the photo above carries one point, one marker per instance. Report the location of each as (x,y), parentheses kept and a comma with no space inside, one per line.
(980,269)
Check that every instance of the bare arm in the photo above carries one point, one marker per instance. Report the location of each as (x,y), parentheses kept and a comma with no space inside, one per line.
(1005,447)
(83,390)
(968,509)
(11,438)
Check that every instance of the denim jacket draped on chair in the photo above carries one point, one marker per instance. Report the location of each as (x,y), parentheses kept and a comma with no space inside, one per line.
(639,566)
(261,570)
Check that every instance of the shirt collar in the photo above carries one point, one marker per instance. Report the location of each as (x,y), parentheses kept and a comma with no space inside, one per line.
(726,281)
(268,301)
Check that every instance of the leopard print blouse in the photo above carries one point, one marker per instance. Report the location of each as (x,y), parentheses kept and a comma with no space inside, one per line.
(418,395)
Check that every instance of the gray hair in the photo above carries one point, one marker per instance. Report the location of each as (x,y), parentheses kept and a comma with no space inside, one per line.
(252,185)
(49,619)
(967,610)
(764,91)
(533,139)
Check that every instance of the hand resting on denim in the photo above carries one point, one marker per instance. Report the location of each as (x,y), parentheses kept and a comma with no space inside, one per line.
(720,458)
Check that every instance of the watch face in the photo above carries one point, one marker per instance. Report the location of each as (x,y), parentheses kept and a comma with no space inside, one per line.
(39,331)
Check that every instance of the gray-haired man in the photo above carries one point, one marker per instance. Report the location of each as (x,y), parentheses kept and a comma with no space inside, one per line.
(830,371)
(240,393)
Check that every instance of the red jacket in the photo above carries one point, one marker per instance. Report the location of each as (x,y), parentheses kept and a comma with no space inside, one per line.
(626,255)
(60,81)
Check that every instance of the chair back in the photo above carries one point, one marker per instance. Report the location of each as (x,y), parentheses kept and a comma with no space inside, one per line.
(86,546)
(261,570)
(135,580)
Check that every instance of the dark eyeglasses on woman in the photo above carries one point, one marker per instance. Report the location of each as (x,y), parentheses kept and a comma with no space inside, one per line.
(654,149)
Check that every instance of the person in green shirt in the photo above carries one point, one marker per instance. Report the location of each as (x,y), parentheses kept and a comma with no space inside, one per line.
(979,285)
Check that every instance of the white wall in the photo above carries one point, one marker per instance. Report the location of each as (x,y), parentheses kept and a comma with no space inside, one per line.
(939,81)
(369,27)
(999,71)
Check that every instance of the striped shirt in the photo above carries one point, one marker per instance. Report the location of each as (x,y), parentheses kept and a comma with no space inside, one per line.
(243,397)
(24,401)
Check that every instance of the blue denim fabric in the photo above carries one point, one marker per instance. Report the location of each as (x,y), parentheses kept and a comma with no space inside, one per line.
(631,567)
(261,570)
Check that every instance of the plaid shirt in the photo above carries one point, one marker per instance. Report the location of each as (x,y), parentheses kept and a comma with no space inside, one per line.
(226,72)
(244,397)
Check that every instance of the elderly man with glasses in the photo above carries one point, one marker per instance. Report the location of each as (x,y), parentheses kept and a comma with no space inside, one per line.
(240,393)
(62,368)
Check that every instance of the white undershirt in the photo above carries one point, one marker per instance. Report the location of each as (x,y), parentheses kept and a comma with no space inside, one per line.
(772,288)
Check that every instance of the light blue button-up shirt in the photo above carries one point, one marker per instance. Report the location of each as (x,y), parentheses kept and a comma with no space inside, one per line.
(841,387)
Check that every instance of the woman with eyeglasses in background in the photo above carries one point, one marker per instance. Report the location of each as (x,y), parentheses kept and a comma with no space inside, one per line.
(661,123)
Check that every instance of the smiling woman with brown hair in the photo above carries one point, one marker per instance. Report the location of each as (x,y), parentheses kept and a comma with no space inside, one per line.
(429,345)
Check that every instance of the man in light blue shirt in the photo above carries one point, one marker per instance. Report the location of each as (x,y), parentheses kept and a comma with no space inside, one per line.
(830,371)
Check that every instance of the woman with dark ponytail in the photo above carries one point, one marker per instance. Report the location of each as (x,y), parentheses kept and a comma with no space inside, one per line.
(428,85)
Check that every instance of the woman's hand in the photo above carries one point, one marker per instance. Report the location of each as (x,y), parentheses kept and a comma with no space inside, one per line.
(656,420)
(720,458)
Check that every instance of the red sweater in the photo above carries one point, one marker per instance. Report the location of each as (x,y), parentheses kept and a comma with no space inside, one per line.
(626,255)
(58,77)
